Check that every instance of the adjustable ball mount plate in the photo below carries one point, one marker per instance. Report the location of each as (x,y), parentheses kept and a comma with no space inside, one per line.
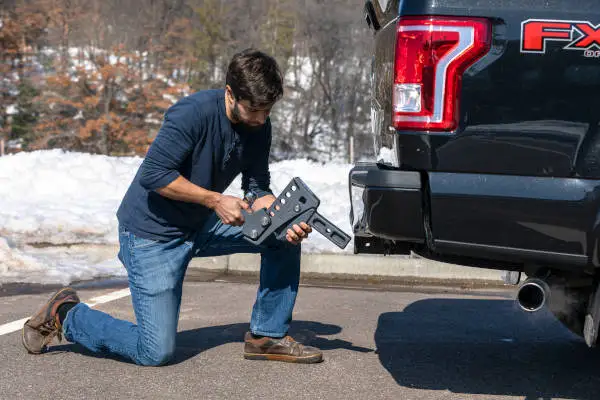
(296,203)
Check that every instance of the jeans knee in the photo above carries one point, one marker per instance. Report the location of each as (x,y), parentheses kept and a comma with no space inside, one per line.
(156,356)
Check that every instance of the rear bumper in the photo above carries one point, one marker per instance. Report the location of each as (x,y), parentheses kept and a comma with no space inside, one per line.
(510,219)
(386,208)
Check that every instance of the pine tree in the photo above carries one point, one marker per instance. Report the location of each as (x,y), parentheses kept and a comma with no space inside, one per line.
(23,122)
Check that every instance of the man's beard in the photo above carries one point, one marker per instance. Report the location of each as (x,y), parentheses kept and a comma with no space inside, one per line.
(237,119)
(235,114)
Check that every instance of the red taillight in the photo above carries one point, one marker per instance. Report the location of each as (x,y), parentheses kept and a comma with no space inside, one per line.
(432,53)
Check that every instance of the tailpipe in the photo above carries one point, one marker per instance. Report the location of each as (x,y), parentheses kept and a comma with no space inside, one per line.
(533,294)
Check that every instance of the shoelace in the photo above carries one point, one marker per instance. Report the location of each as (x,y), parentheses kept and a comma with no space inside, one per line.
(295,347)
(288,339)
(51,329)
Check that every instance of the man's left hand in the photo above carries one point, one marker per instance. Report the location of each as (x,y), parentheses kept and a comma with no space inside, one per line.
(299,233)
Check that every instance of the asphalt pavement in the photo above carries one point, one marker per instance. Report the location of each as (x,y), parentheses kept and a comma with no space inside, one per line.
(379,342)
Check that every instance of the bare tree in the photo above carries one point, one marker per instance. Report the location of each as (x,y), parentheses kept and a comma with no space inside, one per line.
(135,58)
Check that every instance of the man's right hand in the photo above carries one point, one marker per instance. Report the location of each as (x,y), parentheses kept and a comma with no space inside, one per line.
(229,209)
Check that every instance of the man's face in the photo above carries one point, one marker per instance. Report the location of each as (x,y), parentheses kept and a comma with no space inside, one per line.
(242,112)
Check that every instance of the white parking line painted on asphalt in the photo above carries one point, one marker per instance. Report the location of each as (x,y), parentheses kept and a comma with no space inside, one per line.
(17,325)
(119,294)
(12,326)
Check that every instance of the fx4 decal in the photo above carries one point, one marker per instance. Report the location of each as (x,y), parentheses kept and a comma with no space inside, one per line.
(580,35)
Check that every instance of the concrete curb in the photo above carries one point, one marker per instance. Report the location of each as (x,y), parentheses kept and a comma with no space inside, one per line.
(357,267)
(330,266)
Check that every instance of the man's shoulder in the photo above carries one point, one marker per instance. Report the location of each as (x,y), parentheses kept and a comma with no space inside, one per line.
(205,100)
(200,105)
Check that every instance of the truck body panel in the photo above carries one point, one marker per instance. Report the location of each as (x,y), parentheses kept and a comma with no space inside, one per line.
(516,181)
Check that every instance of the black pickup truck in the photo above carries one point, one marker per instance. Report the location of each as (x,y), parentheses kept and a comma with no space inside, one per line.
(486,116)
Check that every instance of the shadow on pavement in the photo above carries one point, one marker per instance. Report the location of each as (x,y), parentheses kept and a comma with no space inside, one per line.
(194,341)
(486,347)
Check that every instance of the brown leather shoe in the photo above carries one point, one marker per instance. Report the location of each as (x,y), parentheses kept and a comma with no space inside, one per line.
(40,329)
(280,349)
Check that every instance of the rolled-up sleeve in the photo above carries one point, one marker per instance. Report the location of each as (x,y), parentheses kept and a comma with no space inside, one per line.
(176,139)
(257,178)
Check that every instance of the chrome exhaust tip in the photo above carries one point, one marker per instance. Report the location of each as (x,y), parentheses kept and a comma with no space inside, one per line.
(533,295)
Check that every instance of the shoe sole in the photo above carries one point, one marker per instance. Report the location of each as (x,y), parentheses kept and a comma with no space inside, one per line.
(42,308)
(25,344)
(316,358)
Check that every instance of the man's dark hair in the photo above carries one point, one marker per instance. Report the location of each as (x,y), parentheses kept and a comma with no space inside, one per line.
(255,76)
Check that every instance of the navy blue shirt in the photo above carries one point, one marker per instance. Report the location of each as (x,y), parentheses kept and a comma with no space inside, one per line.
(196,141)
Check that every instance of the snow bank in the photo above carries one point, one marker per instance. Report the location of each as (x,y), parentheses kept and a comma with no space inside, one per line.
(61,198)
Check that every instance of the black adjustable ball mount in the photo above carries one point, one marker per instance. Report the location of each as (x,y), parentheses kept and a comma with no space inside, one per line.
(297,203)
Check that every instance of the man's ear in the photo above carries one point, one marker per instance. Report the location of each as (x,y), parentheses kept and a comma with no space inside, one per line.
(229,94)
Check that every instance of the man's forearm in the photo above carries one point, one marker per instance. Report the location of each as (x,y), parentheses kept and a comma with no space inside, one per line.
(183,190)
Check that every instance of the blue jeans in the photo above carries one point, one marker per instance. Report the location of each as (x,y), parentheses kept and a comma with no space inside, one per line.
(156,271)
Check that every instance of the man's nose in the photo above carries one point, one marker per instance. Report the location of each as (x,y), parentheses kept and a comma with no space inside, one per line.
(262,116)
